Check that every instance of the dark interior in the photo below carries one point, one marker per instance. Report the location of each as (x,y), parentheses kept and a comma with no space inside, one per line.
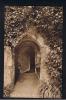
(31,54)
(32,60)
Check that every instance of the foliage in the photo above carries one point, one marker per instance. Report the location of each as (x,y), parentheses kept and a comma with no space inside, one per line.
(48,22)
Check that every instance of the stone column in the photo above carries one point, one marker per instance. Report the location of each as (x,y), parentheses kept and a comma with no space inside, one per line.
(43,68)
(8,70)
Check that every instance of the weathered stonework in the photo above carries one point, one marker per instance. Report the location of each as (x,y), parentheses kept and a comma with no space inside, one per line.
(8,70)
(38,40)
(39,30)
(41,50)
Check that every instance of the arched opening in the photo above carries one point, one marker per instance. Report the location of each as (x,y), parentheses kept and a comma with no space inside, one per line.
(27,58)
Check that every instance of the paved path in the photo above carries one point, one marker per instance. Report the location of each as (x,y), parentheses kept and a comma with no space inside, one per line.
(26,86)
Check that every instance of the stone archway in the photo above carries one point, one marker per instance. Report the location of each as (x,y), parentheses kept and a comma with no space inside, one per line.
(38,43)
(30,42)
(27,57)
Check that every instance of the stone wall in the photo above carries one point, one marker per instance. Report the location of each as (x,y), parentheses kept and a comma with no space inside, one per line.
(8,70)
(45,78)
(21,22)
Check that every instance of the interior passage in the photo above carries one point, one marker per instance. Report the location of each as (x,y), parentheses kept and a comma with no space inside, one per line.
(26,79)
(25,61)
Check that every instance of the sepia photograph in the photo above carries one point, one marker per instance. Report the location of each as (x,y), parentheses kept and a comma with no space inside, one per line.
(33,51)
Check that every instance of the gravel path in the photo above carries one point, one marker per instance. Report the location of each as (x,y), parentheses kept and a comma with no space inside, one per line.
(26,86)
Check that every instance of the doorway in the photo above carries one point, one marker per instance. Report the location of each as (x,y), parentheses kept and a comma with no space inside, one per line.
(26,58)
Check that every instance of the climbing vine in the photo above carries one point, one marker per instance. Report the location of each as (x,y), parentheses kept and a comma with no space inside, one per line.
(48,22)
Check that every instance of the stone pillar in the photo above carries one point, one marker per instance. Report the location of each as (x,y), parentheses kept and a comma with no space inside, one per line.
(43,68)
(8,71)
